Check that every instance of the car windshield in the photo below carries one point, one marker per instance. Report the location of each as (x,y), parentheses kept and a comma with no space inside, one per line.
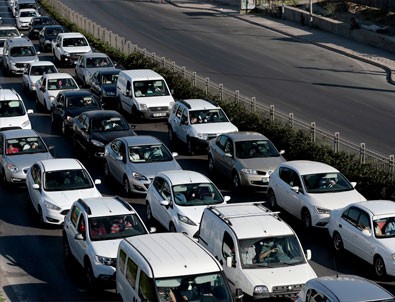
(115,227)
(270,252)
(98,62)
(25,145)
(9,33)
(53,31)
(66,180)
(69,42)
(109,124)
(62,84)
(256,148)
(149,153)
(40,70)
(42,21)
(196,194)
(207,116)
(326,183)
(11,108)
(109,79)
(150,88)
(28,14)
(384,227)
(204,287)
(81,102)
(23,51)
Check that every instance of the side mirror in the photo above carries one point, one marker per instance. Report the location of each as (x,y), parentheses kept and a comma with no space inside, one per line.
(97,181)
(282,152)
(295,189)
(353,183)
(308,254)
(51,149)
(30,111)
(79,236)
(35,187)
(228,155)
(366,232)
(227,198)
(119,157)
(152,229)
(239,294)
(42,88)
(84,129)
(38,52)
(174,154)
(229,261)
(165,203)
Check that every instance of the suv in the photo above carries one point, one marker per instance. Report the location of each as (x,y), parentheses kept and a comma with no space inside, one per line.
(13,114)
(195,122)
(67,48)
(92,231)
(17,53)
(261,253)
(7,31)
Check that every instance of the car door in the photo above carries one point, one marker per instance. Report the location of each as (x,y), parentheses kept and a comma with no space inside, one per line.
(58,108)
(25,76)
(40,87)
(158,211)
(79,67)
(115,164)
(229,249)
(295,200)
(76,225)
(79,130)
(34,177)
(176,122)
(224,161)
(95,84)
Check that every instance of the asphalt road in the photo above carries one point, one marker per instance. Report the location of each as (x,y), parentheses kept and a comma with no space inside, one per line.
(336,92)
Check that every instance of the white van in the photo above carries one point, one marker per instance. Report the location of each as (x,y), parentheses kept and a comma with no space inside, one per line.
(144,94)
(13,114)
(168,267)
(260,253)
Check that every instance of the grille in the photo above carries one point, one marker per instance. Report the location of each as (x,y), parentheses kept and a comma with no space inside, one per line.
(158,108)
(20,65)
(287,290)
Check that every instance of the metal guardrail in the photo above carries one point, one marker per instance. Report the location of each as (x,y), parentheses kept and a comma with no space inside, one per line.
(318,136)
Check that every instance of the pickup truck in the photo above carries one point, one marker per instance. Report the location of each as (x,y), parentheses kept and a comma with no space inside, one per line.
(67,48)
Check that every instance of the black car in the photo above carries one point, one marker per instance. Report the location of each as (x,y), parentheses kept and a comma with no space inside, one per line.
(68,104)
(94,129)
(47,35)
(37,24)
(104,87)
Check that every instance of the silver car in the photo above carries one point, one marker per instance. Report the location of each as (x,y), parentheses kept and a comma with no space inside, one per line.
(342,288)
(20,149)
(133,161)
(247,157)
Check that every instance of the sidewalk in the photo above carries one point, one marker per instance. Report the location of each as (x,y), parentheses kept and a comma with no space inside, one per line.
(330,41)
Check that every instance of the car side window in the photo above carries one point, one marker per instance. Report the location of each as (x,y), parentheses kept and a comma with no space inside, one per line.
(115,146)
(75,213)
(364,222)
(85,122)
(36,174)
(179,111)
(351,216)
(315,296)
(285,174)
(131,272)
(166,191)
(158,183)
(294,180)
(228,147)
(184,117)
(2,145)
(221,142)
(228,246)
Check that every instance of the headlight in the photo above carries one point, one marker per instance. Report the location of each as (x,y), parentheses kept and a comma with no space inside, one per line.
(185,219)
(260,290)
(97,143)
(202,136)
(51,206)
(25,124)
(248,171)
(104,260)
(12,168)
(323,211)
(143,107)
(139,176)
(70,119)
(12,63)
(52,98)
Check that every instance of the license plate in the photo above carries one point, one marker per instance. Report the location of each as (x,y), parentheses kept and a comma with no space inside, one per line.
(160,114)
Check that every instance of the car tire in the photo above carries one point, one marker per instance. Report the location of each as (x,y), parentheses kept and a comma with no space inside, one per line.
(236,185)
(150,217)
(272,201)
(337,243)
(172,228)
(190,147)
(306,218)
(379,267)
(89,276)
(126,186)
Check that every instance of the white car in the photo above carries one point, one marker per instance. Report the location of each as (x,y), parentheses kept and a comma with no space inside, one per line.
(53,185)
(92,231)
(13,113)
(49,85)
(177,199)
(33,72)
(7,31)
(310,190)
(25,15)
(367,230)
(195,122)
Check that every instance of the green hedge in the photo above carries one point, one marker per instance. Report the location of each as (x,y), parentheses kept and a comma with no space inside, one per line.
(372,183)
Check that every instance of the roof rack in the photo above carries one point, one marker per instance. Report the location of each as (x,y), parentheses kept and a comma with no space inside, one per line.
(85,206)
(124,203)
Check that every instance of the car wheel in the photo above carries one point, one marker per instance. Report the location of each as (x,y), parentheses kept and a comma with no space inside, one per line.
(89,276)
(172,228)
(271,198)
(306,219)
(126,186)
(149,213)
(236,181)
(190,149)
(66,249)
(379,267)
(338,242)
(211,165)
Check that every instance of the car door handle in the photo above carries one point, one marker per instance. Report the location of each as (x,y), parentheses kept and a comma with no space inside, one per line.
(340,225)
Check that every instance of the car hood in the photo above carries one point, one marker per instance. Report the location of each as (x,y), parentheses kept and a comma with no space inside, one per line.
(287,275)
(262,163)
(24,161)
(106,248)
(193,212)
(34,78)
(15,121)
(65,199)
(25,19)
(150,169)
(335,200)
(76,111)
(54,93)
(77,49)
(215,128)
(24,60)
(109,87)
(106,137)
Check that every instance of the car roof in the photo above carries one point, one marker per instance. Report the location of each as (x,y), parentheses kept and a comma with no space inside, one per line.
(107,206)
(245,136)
(378,207)
(54,26)
(95,55)
(251,220)
(173,252)
(27,9)
(306,167)
(16,133)
(58,75)
(19,41)
(72,35)
(178,177)
(42,63)
(68,93)
(103,113)
(56,164)
(8,94)
(142,74)
(109,71)
(196,104)
(350,288)
(141,140)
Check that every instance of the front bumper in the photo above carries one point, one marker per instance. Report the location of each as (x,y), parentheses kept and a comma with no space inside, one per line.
(54,217)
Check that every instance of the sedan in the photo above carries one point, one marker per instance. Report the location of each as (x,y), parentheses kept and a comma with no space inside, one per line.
(177,199)
(47,35)
(133,161)
(25,15)
(37,24)
(34,71)
(89,63)
(49,85)
(68,104)
(20,148)
(104,87)
(367,230)
(310,191)
(341,288)
(94,129)
(248,158)
(53,185)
